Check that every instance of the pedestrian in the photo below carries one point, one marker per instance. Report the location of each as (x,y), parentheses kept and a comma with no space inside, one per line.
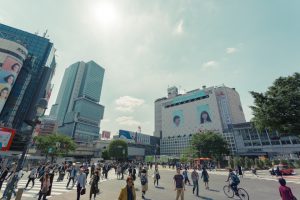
(92,169)
(31,177)
(285,192)
(205,177)
(186,177)
(156,176)
(72,176)
(144,182)
(3,176)
(240,171)
(45,184)
(179,185)
(94,185)
(133,173)
(128,192)
(81,181)
(195,179)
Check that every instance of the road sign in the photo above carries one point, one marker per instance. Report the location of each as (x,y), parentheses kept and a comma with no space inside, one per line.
(50,150)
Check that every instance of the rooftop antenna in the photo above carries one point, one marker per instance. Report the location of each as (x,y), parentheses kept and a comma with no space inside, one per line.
(37,32)
(45,34)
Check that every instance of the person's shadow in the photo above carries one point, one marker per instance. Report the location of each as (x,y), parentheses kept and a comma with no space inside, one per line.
(214,190)
(159,187)
(205,198)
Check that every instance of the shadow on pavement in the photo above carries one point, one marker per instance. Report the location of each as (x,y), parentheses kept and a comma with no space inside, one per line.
(206,198)
(214,190)
(159,187)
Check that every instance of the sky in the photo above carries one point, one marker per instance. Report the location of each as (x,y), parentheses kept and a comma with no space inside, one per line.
(147,46)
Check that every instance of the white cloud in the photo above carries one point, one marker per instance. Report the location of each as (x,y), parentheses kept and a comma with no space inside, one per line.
(127,120)
(210,65)
(179,27)
(231,50)
(127,103)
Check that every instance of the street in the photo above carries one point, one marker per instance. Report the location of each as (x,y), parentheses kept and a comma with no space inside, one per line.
(263,187)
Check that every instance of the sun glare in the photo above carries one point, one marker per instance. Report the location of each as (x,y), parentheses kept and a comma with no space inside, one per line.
(105,14)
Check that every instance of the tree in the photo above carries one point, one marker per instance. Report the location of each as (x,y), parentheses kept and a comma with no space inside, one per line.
(278,109)
(54,145)
(210,144)
(105,154)
(231,163)
(248,163)
(118,149)
(237,161)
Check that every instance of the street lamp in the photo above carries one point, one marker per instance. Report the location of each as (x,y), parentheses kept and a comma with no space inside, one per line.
(40,110)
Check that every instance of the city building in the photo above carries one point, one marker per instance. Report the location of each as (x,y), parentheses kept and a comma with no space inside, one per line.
(178,116)
(139,144)
(36,58)
(252,142)
(48,126)
(77,109)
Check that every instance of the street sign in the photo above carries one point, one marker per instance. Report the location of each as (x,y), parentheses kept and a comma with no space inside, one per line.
(50,150)
(6,137)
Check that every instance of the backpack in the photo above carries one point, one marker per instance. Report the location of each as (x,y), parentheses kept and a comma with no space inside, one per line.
(235,178)
(143,180)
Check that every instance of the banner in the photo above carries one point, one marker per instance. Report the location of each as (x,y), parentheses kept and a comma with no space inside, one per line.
(105,135)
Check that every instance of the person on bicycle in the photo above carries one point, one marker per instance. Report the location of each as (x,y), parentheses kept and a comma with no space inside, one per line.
(235,181)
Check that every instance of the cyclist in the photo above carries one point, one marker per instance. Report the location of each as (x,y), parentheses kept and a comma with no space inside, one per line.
(235,181)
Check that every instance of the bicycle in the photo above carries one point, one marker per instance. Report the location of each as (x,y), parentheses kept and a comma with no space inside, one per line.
(242,193)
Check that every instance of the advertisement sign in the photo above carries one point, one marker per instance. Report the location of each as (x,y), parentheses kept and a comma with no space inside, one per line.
(204,115)
(105,135)
(6,137)
(127,135)
(178,119)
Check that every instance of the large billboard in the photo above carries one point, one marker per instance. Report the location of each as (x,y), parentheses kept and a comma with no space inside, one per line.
(134,137)
(198,112)
(6,137)
(12,56)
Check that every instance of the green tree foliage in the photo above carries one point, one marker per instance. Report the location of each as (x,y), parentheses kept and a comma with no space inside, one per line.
(210,144)
(237,161)
(242,161)
(268,163)
(105,155)
(248,163)
(54,145)
(118,149)
(231,163)
(279,107)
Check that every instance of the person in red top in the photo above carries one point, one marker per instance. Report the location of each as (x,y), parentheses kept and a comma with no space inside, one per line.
(285,192)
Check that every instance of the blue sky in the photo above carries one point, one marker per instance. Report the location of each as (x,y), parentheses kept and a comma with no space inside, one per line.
(146,46)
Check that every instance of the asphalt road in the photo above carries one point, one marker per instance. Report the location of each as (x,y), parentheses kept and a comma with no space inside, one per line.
(258,189)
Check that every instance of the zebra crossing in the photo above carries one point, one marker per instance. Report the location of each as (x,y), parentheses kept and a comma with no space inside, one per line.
(58,188)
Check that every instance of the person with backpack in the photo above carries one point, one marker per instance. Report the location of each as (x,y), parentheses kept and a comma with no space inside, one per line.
(144,182)
(284,191)
(186,177)
(156,176)
(235,181)
(205,177)
(31,177)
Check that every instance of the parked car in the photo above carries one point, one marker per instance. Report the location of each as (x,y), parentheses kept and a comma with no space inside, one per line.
(284,170)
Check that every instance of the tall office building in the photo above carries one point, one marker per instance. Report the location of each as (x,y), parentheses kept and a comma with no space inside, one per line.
(178,116)
(32,82)
(77,109)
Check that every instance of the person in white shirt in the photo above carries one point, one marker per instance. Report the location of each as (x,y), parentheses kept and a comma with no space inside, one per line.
(81,181)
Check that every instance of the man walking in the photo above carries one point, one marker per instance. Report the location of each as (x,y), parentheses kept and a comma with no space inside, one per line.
(195,179)
(31,177)
(81,181)
(179,185)
(72,177)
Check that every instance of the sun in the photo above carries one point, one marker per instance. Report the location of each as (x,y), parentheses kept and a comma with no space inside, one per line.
(105,14)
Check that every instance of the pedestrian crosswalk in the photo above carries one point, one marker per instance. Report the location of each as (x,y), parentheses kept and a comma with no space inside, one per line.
(58,188)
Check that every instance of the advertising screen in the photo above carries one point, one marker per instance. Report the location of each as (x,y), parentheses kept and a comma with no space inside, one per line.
(11,62)
(6,137)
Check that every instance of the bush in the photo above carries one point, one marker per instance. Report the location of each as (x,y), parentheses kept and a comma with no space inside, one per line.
(297,163)
(231,163)
(283,162)
(247,163)
(236,161)
(276,162)
(268,163)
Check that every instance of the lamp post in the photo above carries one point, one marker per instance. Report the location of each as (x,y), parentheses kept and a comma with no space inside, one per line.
(40,110)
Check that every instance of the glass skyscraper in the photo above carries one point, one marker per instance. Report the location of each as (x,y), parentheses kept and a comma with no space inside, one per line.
(77,109)
(33,81)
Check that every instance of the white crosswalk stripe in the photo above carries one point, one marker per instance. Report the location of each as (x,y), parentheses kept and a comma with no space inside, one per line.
(58,188)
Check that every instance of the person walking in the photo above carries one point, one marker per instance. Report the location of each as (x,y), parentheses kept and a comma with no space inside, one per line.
(156,176)
(72,176)
(45,184)
(128,192)
(186,177)
(179,185)
(205,177)
(81,181)
(94,185)
(284,191)
(3,176)
(31,177)
(144,182)
(195,179)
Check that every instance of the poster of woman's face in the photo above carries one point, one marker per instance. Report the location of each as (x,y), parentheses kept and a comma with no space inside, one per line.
(11,65)
(203,111)
(7,78)
(177,118)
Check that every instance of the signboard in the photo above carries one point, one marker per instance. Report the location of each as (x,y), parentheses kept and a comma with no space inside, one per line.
(6,137)
(105,135)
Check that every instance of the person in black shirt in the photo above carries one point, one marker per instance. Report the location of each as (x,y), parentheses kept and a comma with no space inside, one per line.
(179,185)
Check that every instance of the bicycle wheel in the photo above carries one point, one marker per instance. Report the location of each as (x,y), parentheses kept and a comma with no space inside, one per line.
(243,195)
(228,191)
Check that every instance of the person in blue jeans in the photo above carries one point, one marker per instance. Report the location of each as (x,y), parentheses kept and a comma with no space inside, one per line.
(195,179)
(72,177)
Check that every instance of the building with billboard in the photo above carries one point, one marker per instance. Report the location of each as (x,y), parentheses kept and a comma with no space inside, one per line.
(178,116)
(32,62)
(252,142)
(77,109)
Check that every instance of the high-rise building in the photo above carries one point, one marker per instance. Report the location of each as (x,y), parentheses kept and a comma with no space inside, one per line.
(33,81)
(178,116)
(77,109)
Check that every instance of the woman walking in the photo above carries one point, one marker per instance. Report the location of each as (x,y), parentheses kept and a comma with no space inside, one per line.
(156,176)
(205,178)
(94,185)
(45,184)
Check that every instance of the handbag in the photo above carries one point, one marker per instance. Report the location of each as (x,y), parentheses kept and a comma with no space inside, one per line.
(82,192)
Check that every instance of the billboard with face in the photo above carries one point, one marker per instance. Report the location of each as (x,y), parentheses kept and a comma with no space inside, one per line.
(178,119)
(204,114)
(12,56)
